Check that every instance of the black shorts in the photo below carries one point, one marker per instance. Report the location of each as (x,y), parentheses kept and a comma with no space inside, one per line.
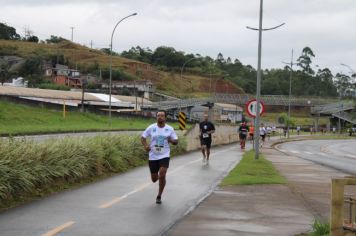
(156,164)
(263,137)
(242,136)
(206,142)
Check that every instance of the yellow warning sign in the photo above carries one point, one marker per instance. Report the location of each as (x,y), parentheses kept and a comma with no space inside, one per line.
(182,120)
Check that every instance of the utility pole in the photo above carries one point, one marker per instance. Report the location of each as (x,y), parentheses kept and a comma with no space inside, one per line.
(258,83)
(72,33)
(290,90)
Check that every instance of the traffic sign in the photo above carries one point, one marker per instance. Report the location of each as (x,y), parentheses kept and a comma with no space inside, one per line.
(251,108)
(182,120)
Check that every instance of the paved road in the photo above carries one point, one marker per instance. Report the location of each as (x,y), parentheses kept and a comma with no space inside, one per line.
(338,154)
(124,204)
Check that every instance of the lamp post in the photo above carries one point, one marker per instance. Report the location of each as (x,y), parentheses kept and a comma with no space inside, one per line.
(110,78)
(182,68)
(353,75)
(290,90)
(258,83)
(181,79)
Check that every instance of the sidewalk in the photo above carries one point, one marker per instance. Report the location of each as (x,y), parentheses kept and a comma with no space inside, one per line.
(266,209)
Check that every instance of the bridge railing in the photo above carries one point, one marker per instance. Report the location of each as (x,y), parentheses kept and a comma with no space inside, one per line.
(280,100)
(332,108)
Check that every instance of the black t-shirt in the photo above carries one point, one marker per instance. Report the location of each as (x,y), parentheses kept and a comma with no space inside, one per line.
(243,130)
(206,126)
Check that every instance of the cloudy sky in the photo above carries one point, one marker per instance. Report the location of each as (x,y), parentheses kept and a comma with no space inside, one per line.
(206,27)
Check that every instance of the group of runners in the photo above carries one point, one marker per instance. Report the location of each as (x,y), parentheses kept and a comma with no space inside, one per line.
(246,132)
(161,135)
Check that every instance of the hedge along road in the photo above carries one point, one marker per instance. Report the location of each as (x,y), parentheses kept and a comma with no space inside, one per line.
(124,204)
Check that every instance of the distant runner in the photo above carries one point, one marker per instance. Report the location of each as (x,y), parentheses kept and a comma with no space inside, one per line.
(243,131)
(161,135)
(206,129)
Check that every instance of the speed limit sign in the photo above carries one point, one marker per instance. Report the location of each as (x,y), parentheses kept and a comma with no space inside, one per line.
(251,108)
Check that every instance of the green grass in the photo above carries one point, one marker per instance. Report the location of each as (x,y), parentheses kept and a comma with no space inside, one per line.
(250,171)
(320,229)
(21,119)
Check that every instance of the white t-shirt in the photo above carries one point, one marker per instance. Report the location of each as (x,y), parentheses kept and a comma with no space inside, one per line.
(159,140)
(262,130)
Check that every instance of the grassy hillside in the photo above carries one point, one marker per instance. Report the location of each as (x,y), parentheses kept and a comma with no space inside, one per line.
(21,119)
(84,57)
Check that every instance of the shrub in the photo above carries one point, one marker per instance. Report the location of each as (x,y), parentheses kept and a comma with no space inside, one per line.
(28,168)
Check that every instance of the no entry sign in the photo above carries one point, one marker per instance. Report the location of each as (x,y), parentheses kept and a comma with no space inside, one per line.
(251,108)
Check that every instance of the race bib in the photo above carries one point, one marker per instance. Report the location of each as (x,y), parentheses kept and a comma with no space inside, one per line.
(158,149)
(205,135)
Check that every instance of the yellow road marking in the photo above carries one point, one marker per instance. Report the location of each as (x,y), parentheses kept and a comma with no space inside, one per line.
(112,202)
(59,229)
(118,199)
(142,187)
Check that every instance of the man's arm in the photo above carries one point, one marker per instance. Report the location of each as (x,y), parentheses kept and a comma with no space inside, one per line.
(173,138)
(145,145)
(172,141)
(213,129)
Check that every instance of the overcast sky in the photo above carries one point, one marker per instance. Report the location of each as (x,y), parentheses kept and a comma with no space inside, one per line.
(206,27)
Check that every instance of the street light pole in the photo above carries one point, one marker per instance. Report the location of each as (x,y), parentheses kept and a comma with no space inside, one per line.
(353,76)
(181,70)
(258,83)
(290,90)
(181,79)
(110,78)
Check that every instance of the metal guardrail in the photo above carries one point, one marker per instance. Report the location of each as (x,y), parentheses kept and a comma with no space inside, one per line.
(277,100)
(167,105)
(345,116)
(242,99)
(332,108)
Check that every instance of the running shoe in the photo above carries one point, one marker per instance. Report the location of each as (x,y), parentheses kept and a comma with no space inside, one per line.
(158,200)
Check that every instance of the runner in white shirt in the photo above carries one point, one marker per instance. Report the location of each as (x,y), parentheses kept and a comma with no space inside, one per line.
(161,135)
(262,134)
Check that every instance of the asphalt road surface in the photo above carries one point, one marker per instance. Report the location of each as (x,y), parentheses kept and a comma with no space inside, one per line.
(124,204)
(337,154)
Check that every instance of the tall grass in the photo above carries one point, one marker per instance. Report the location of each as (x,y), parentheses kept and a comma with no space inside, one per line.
(28,168)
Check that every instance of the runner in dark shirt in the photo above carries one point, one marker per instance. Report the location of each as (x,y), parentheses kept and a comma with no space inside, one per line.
(243,131)
(206,129)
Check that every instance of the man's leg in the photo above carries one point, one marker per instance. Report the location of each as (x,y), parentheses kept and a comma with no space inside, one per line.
(154,168)
(203,150)
(161,183)
(154,177)
(162,179)
(208,145)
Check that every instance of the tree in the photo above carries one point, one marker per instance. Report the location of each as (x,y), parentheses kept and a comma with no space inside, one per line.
(32,38)
(54,39)
(8,32)
(5,73)
(304,61)
(32,70)
(343,83)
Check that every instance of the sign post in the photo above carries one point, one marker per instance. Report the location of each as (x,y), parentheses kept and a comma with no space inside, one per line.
(251,108)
